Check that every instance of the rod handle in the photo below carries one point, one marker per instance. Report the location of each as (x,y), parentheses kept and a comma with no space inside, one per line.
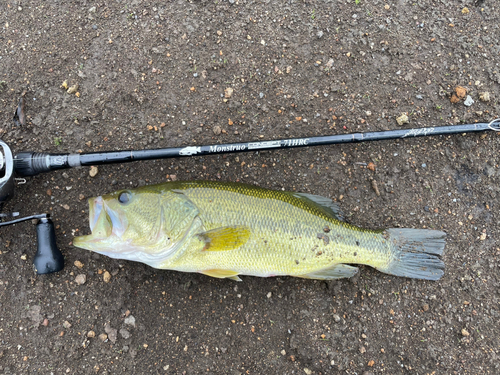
(30,163)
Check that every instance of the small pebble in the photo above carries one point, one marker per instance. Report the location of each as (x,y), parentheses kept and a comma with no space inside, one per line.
(375,188)
(93,171)
(103,337)
(129,320)
(124,333)
(228,92)
(106,277)
(78,264)
(81,279)
(484,96)
(66,324)
(307,371)
(465,333)
(425,307)
(217,130)
(90,334)
(112,333)
(73,89)
(269,295)
(468,101)
(81,197)
(403,119)
(460,91)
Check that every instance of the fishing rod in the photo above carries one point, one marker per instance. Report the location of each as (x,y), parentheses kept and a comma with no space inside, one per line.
(49,258)
(32,163)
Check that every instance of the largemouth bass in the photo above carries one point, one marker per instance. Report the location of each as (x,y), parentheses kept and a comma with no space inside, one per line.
(228,229)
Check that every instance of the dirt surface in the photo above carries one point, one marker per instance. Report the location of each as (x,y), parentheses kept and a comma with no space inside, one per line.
(156,74)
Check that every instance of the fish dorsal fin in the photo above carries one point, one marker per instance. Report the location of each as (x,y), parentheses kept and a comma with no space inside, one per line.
(326,204)
(222,274)
(225,238)
(338,271)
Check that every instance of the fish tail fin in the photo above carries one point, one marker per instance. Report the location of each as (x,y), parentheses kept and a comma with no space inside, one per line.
(416,253)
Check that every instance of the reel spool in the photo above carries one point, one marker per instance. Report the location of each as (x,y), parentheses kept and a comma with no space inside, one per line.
(6,173)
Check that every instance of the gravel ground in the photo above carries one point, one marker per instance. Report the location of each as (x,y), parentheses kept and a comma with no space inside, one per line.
(149,74)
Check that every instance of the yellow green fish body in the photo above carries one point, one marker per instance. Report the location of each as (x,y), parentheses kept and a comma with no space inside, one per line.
(230,229)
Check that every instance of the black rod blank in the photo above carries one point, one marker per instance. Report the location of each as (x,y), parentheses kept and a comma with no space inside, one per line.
(32,163)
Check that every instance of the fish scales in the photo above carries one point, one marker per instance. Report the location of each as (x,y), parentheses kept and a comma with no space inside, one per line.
(284,238)
(230,229)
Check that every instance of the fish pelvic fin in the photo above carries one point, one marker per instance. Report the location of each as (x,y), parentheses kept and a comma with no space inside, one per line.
(416,253)
(225,238)
(222,274)
(337,271)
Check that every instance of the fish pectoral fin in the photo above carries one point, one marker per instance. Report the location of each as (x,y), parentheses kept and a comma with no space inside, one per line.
(222,274)
(338,271)
(224,239)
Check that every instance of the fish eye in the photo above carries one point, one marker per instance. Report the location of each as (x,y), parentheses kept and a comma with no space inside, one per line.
(124,197)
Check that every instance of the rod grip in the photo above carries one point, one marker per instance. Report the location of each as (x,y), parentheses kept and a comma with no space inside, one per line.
(30,163)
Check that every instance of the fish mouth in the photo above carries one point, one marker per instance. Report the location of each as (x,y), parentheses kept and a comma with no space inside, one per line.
(95,208)
(105,224)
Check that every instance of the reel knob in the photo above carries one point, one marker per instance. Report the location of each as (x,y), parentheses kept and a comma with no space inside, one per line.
(48,257)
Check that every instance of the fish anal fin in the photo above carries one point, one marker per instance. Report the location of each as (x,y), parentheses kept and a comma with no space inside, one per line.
(222,274)
(224,239)
(338,271)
